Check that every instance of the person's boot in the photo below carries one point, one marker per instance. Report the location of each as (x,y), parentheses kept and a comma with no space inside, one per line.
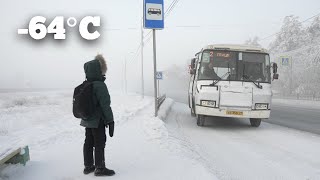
(103,172)
(88,169)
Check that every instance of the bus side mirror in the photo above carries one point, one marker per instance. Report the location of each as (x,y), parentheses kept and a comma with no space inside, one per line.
(192,71)
(192,66)
(275,68)
(275,76)
(193,63)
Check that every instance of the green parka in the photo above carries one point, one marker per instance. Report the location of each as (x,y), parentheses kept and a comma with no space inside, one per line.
(101,97)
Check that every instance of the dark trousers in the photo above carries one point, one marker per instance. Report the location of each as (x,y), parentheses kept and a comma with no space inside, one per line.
(95,140)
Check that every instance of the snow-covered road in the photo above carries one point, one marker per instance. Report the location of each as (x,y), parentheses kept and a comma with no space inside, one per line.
(296,114)
(233,150)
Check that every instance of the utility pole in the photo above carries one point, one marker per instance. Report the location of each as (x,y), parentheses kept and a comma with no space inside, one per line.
(125,72)
(142,78)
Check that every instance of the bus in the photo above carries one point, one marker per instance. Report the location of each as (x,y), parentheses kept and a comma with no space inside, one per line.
(231,81)
(154,11)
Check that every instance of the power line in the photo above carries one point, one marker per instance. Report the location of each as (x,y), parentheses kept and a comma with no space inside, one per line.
(301,23)
(185,26)
(304,48)
(168,10)
(174,3)
(166,14)
(169,6)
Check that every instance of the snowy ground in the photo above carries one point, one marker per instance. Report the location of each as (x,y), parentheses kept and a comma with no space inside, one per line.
(138,150)
(145,147)
(232,149)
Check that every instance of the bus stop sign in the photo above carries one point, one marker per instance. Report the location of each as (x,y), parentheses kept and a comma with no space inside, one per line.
(153,15)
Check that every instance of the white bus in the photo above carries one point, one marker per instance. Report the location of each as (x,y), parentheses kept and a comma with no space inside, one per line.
(231,81)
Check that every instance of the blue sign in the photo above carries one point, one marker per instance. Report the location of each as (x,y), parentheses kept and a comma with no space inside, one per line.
(153,14)
(159,75)
(285,61)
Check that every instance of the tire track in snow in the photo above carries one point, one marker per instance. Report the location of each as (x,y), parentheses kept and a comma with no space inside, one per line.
(195,152)
(226,149)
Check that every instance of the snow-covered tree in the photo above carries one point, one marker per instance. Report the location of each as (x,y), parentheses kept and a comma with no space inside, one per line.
(314,30)
(290,37)
(253,42)
(302,45)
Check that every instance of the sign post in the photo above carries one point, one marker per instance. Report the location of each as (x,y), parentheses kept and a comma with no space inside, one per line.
(287,61)
(159,77)
(153,18)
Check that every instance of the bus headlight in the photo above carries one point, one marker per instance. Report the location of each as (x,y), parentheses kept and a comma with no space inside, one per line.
(262,106)
(208,103)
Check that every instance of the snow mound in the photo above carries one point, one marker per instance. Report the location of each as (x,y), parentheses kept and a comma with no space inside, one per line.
(165,108)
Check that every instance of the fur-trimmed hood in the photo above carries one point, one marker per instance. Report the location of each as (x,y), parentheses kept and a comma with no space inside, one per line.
(96,69)
(103,64)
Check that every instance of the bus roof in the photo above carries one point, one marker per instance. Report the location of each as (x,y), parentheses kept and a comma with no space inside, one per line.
(234,47)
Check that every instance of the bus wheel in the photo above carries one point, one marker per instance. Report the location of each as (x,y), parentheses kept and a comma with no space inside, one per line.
(200,120)
(255,122)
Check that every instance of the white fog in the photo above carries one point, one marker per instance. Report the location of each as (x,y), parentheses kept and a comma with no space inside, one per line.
(241,81)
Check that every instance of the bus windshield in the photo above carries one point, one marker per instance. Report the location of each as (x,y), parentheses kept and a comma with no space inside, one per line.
(234,66)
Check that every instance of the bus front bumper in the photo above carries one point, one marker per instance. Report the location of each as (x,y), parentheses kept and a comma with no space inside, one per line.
(232,112)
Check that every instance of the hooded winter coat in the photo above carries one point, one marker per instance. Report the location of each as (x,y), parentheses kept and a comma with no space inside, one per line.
(95,71)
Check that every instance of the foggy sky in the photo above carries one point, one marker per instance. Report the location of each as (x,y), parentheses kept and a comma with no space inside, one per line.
(25,63)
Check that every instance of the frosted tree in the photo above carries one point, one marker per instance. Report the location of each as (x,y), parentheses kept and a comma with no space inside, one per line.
(314,31)
(303,46)
(253,42)
(290,37)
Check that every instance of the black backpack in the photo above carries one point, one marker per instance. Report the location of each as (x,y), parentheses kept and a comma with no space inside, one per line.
(83,105)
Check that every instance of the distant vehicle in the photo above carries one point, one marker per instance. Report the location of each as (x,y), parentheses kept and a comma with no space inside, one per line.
(154,11)
(231,81)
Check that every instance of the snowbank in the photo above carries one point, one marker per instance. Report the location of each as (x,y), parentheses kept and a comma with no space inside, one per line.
(165,108)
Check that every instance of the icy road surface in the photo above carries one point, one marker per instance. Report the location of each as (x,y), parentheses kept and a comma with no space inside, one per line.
(233,150)
(296,114)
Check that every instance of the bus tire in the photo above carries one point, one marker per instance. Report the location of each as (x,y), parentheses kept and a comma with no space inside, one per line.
(255,122)
(200,120)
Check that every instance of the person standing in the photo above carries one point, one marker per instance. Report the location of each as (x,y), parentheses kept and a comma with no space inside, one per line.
(95,125)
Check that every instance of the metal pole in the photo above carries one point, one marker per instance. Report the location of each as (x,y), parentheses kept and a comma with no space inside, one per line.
(158,88)
(154,74)
(142,79)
